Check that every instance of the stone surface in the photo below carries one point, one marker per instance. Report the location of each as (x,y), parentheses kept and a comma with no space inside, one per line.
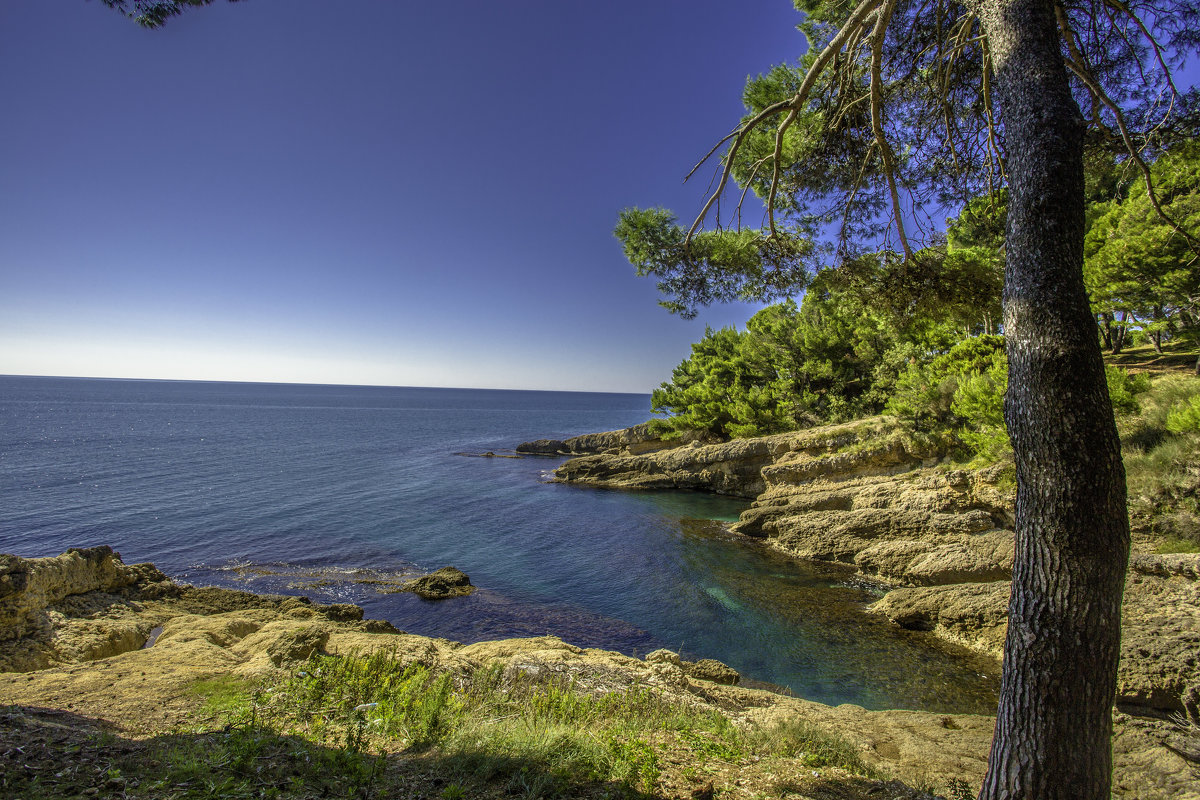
(29,587)
(709,669)
(865,495)
(86,605)
(628,441)
(212,633)
(445,583)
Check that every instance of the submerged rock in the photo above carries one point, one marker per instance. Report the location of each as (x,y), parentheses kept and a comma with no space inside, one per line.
(445,583)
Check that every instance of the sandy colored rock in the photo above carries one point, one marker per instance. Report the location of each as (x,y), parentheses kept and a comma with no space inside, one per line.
(28,587)
(736,468)
(709,669)
(149,692)
(1160,635)
(628,441)
(442,584)
(974,615)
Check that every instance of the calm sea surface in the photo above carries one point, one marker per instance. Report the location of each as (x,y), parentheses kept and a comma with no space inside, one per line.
(334,491)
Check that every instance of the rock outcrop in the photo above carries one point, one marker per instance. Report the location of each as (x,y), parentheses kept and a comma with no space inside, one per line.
(210,633)
(938,537)
(635,441)
(741,468)
(443,584)
(86,605)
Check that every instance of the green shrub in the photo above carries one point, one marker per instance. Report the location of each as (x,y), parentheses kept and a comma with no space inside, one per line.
(1184,416)
(979,405)
(925,393)
(1123,389)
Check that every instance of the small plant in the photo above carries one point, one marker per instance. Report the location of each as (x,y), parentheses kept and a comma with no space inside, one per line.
(797,738)
(1184,416)
(958,789)
(636,762)
(1173,544)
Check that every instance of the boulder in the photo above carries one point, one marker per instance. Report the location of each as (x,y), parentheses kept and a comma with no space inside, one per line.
(709,669)
(444,583)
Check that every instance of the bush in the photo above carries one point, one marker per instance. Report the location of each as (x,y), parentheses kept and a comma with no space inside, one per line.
(1123,389)
(1184,416)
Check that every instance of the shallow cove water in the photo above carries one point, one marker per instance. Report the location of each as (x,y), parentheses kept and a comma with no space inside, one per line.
(339,492)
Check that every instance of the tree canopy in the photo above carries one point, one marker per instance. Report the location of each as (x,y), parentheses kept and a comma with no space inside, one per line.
(1137,266)
(892,113)
(154,13)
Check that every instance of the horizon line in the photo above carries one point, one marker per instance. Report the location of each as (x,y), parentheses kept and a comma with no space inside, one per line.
(305,383)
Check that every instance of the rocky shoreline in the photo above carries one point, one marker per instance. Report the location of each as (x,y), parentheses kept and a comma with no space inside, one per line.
(939,537)
(121,646)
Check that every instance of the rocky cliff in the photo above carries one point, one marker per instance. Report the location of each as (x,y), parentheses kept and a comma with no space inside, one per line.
(937,536)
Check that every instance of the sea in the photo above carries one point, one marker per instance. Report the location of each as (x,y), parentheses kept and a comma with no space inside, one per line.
(339,493)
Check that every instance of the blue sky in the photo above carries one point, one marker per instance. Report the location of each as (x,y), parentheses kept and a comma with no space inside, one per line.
(398,193)
(368,192)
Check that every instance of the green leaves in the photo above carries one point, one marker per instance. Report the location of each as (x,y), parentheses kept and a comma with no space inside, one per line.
(154,13)
(1137,263)
(715,266)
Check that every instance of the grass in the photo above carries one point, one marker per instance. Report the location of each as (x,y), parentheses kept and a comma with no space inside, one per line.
(1162,464)
(351,726)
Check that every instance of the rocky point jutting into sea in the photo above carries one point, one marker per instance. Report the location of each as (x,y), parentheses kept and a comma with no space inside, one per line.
(938,536)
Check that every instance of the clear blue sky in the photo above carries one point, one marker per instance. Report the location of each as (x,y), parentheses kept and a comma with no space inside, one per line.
(406,193)
(359,191)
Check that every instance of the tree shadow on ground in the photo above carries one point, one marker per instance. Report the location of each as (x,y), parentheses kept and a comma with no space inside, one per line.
(47,753)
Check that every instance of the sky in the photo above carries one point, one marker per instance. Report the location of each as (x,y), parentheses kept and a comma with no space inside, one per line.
(360,192)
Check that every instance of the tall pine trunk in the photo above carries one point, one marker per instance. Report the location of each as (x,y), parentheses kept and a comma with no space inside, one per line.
(1054,723)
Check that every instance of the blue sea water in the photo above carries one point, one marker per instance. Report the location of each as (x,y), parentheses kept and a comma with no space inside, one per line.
(338,492)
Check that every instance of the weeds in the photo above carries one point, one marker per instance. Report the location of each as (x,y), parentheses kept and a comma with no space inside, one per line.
(813,746)
(1162,463)
(370,726)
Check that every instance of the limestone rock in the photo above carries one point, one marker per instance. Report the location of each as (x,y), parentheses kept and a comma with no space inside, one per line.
(444,583)
(709,669)
(974,615)
(29,586)
(151,692)
(1160,635)
(284,642)
(628,441)
(544,447)
(663,656)
(86,605)
(734,468)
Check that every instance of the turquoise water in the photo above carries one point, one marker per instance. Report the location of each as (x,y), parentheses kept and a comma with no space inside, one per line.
(329,491)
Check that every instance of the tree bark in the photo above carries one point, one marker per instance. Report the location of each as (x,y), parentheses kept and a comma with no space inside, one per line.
(1054,722)
(1106,332)
(1122,334)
